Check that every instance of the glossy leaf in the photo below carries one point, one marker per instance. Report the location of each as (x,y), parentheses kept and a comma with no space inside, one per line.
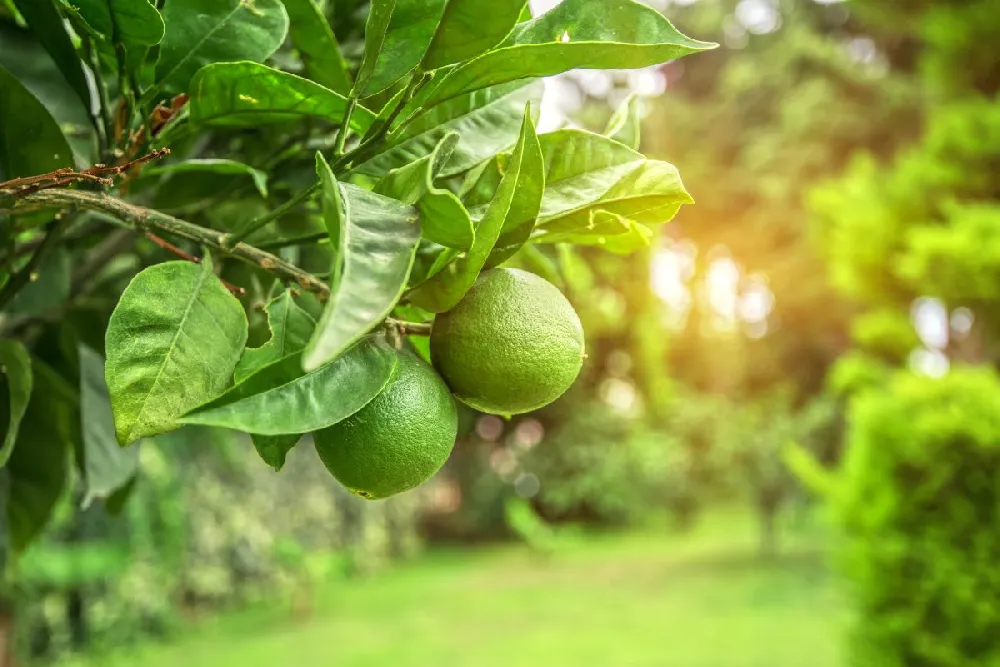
(250,95)
(107,466)
(313,401)
(15,364)
(470,28)
(202,32)
(521,219)
(376,254)
(47,24)
(379,16)
(22,115)
(212,166)
(39,464)
(586,171)
(610,231)
(314,39)
(487,122)
(334,217)
(626,123)
(291,327)
(577,34)
(443,218)
(411,27)
(134,23)
(524,173)
(24,57)
(172,342)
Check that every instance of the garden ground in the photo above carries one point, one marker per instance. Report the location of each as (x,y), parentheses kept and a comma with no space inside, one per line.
(648,598)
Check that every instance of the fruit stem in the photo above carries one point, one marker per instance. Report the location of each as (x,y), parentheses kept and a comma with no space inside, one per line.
(409,328)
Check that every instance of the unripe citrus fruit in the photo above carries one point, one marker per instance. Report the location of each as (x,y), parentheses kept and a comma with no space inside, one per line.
(511,345)
(397,441)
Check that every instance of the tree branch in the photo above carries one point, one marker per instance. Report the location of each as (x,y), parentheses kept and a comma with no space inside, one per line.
(235,290)
(145,220)
(99,173)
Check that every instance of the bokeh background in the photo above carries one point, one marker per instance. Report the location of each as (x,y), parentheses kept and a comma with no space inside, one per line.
(783,451)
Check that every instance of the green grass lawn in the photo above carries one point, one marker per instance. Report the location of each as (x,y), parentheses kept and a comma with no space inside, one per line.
(647,598)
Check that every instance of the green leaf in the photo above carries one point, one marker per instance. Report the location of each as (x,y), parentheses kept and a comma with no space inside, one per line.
(314,39)
(376,254)
(521,218)
(249,95)
(334,217)
(608,230)
(487,122)
(134,23)
(107,466)
(524,173)
(313,401)
(172,343)
(22,115)
(47,24)
(637,237)
(199,167)
(131,21)
(398,46)
(38,466)
(15,364)
(49,289)
(202,32)
(291,328)
(577,34)
(24,57)
(626,122)
(379,16)
(443,218)
(586,171)
(470,28)
(274,448)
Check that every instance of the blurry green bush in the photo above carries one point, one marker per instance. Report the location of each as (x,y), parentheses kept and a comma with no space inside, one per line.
(207,526)
(919,499)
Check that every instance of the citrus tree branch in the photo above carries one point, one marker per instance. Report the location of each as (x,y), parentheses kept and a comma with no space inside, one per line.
(148,220)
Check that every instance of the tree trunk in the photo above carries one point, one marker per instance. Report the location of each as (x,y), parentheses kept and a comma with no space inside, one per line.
(768,511)
(6,637)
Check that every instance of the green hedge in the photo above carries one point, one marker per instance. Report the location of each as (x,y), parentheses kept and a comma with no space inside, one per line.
(920,503)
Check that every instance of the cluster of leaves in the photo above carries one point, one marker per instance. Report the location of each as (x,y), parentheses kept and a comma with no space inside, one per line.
(406,160)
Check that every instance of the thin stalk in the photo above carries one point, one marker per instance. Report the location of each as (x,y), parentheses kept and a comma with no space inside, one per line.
(144,220)
(345,127)
(236,237)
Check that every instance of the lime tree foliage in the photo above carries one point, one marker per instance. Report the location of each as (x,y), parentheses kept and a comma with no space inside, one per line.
(248,214)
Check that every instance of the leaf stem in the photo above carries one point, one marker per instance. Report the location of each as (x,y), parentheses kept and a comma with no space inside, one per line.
(409,328)
(144,219)
(233,238)
(345,127)
(108,138)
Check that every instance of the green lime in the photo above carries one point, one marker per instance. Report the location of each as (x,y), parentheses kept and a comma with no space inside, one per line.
(511,345)
(397,441)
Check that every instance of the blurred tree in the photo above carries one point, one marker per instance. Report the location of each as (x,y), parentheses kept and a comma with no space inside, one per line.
(795,90)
